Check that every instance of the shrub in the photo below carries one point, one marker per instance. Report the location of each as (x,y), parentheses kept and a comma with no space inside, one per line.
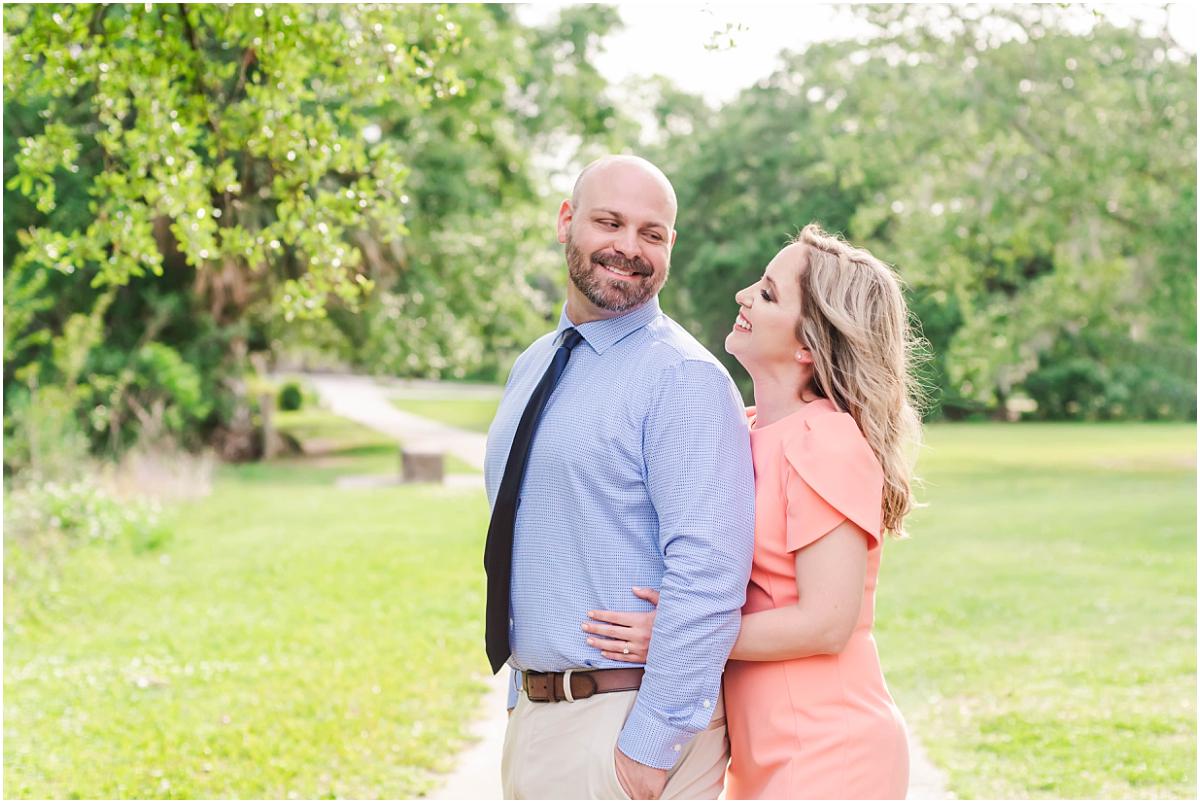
(80,512)
(1143,384)
(291,397)
(43,433)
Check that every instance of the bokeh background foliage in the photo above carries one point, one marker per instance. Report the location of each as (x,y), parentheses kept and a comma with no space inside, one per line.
(225,181)
(1036,189)
(189,186)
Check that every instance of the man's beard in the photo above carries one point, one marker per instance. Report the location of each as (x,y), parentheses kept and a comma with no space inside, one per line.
(607,293)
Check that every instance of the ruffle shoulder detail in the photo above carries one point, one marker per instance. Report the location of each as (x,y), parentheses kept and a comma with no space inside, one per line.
(832,476)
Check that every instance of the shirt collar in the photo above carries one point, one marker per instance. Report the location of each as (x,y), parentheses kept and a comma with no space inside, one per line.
(602,334)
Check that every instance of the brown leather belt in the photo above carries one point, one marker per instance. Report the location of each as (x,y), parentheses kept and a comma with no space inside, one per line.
(549,687)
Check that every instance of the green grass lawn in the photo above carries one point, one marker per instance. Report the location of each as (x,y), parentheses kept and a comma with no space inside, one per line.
(472,414)
(1039,628)
(291,640)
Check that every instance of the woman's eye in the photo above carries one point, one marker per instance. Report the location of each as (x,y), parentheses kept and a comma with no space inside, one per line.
(766,296)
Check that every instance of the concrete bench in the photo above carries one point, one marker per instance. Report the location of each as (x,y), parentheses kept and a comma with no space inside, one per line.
(422,465)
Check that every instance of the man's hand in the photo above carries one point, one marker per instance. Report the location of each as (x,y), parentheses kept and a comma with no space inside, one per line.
(639,781)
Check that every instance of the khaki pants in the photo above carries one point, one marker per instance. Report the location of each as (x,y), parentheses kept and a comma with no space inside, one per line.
(565,750)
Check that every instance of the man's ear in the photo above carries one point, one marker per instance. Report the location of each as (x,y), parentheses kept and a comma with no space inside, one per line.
(674,234)
(565,215)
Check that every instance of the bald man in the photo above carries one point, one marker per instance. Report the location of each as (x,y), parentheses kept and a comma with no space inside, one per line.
(619,459)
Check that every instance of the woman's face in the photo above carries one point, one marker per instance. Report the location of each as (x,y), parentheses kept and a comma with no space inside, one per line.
(764,332)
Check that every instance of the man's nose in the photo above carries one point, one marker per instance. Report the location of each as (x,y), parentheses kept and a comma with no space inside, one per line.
(626,243)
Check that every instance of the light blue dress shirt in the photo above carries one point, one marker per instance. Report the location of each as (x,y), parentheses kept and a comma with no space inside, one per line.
(639,474)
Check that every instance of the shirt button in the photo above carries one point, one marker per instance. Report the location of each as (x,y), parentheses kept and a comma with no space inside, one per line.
(510,622)
(678,747)
(708,703)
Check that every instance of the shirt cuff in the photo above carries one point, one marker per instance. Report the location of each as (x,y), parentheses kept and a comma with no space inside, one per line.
(514,676)
(649,741)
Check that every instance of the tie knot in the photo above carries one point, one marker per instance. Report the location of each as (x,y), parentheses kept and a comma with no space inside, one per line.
(571,338)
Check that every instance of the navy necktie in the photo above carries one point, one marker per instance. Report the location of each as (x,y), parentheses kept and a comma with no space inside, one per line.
(497,553)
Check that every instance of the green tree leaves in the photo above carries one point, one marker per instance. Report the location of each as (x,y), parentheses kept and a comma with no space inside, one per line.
(1029,181)
(358,179)
(240,125)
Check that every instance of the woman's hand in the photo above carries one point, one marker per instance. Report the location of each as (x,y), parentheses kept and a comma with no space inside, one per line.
(623,635)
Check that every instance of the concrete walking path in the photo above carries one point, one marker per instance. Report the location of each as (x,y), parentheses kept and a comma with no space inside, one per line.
(365,400)
(477,773)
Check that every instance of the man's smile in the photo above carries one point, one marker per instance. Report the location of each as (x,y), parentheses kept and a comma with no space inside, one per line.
(619,272)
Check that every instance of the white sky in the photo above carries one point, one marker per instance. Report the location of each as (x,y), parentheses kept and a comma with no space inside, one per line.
(670,38)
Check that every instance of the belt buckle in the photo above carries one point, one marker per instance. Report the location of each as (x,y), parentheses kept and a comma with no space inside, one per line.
(550,696)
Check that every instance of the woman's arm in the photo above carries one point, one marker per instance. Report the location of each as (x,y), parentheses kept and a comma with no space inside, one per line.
(830,573)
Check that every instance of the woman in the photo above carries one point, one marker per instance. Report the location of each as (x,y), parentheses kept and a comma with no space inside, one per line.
(825,336)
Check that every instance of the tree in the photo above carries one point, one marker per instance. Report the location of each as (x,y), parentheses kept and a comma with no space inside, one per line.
(479,275)
(239,126)
(1035,187)
(229,178)
(1060,197)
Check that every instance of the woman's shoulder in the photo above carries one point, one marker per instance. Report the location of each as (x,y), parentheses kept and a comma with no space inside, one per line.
(835,427)
(831,454)
(819,434)
(831,474)
(829,438)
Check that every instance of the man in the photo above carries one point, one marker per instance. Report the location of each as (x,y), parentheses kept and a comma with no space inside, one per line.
(619,457)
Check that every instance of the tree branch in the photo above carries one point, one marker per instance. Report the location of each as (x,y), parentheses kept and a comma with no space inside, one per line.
(97,18)
(1128,223)
(248,58)
(197,80)
(188,30)
(1033,139)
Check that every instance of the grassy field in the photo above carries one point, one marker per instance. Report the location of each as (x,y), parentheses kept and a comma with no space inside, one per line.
(472,414)
(1039,628)
(292,640)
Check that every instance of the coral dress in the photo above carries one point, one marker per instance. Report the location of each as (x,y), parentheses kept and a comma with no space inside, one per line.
(823,726)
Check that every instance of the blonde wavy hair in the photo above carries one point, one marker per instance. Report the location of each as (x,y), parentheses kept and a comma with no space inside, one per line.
(854,320)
